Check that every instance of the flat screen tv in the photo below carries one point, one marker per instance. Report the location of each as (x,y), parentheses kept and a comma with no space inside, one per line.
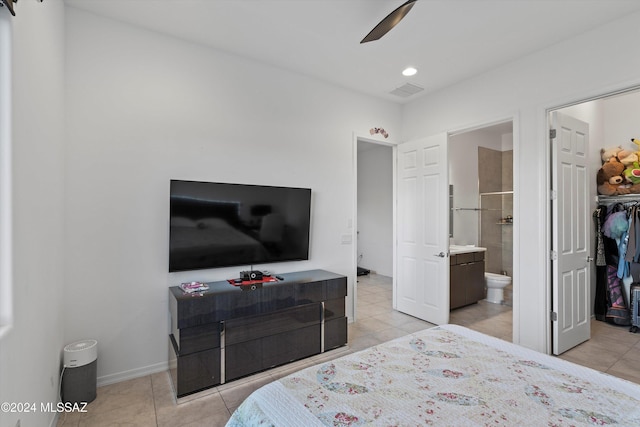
(221,225)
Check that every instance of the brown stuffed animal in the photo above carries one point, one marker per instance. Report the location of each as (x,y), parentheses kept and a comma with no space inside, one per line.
(609,178)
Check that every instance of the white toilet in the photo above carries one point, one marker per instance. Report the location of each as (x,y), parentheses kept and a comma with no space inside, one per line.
(495,286)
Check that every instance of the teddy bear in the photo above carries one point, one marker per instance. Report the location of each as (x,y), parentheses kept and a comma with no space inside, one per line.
(630,157)
(609,152)
(626,157)
(609,178)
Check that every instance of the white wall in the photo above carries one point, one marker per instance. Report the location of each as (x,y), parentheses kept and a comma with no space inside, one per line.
(621,120)
(569,71)
(375,208)
(31,351)
(6,282)
(142,109)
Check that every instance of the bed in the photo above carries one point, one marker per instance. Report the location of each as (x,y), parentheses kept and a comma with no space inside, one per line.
(446,376)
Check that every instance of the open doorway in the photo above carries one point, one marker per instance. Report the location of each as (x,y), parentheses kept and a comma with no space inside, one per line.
(374,224)
(481,224)
(612,123)
(375,318)
(483,152)
(375,209)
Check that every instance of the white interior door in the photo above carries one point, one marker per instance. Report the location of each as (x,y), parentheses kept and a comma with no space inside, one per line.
(422,255)
(570,233)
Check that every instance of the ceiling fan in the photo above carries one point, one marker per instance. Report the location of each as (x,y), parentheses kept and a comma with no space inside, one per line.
(9,5)
(389,22)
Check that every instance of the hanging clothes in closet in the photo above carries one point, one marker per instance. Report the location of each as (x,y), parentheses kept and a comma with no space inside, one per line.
(617,259)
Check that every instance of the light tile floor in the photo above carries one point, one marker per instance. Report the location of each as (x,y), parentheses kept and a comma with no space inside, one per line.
(148,401)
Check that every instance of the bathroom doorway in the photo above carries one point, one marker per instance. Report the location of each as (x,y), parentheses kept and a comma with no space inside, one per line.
(481,180)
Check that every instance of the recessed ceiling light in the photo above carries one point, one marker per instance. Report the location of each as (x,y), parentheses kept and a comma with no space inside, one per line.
(409,71)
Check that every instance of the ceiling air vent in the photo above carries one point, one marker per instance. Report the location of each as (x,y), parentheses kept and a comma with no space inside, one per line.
(406,90)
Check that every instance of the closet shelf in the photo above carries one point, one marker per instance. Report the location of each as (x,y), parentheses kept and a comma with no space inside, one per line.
(620,198)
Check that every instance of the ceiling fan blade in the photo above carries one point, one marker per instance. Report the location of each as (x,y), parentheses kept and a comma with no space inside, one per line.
(389,22)
(9,4)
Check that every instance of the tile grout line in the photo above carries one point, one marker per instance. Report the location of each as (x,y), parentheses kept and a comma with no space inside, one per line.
(153,395)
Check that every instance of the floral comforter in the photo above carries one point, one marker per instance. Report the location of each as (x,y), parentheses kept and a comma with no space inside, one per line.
(445,376)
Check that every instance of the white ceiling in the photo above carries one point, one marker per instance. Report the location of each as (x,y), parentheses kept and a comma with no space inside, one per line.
(447,40)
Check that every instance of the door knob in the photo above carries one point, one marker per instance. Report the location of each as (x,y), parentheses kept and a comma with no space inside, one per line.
(441,255)
(589,259)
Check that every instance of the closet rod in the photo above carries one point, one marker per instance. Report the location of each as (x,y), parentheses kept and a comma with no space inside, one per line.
(477,209)
(497,193)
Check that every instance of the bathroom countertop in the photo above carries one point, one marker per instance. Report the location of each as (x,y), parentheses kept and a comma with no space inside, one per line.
(465,249)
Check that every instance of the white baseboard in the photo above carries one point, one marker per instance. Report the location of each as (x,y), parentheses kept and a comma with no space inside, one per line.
(131,374)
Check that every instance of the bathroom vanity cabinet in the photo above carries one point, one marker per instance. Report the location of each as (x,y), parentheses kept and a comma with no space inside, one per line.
(466,278)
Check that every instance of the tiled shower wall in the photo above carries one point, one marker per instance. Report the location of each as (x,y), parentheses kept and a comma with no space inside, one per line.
(495,175)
